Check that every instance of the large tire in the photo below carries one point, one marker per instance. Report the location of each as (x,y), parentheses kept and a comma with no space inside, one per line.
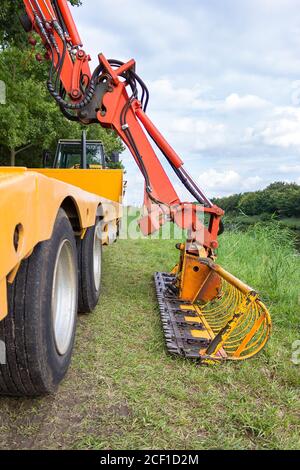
(40,328)
(90,268)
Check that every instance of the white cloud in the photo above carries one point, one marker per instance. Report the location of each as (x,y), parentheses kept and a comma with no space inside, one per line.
(282,128)
(235,102)
(290,173)
(289,168)
(197,134)
(166,94)
(228,182)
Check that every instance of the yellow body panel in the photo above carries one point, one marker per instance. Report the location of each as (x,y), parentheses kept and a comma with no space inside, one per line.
(30,200)
(216,306)
(105,183)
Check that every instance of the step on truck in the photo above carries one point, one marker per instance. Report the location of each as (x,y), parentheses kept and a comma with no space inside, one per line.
(52,221)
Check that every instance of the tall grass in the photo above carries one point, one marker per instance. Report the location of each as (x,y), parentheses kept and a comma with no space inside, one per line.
(265,257)
(124,392)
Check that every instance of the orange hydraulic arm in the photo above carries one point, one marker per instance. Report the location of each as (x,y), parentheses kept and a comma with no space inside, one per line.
(206,312)
(116,97)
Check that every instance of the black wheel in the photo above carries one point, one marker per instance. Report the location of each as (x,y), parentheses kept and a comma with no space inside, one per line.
(40,328)
(90,268)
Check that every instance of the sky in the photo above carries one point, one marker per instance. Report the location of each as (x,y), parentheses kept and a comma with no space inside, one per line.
(224,82)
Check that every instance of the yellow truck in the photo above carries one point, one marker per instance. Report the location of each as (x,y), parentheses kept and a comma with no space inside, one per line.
(54,222)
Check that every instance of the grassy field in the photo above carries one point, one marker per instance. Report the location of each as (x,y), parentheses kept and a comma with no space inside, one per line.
(124,392)
(244,221)
(291,222)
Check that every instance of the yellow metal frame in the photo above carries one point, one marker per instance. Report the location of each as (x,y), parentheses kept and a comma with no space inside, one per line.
(107,184)
(235,320)
(30,200)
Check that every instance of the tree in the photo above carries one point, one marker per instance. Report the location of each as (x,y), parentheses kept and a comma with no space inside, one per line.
(30,121)
(24,95)
(11,31)
(229,203)
(250,203)
(279,198)
(282,199)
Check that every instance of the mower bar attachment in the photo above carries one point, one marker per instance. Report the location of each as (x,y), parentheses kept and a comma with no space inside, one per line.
(234,325)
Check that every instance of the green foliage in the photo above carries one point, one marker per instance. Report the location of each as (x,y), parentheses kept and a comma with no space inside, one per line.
(281,199)
(11,32)
(20,118)
(115,165)
(291,222)
(252,203)
(108,137)
(230,203)
(30,121)
(267,260)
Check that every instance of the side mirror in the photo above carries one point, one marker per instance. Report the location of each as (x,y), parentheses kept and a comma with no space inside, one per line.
(115,157)
(47,159)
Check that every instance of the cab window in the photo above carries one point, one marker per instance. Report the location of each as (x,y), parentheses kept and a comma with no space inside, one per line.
(69,155)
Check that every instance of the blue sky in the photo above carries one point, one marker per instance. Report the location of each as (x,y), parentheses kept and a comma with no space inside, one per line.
(224,79)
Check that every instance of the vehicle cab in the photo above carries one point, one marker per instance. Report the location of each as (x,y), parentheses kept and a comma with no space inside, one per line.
(71,155)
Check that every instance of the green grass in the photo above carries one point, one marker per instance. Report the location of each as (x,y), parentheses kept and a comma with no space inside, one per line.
(124,392)
(291,222)
(243,222)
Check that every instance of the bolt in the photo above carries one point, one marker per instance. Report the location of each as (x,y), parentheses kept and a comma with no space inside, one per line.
(76,94)
(32,41)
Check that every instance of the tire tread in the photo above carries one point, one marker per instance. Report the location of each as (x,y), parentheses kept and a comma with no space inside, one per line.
(26,372)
